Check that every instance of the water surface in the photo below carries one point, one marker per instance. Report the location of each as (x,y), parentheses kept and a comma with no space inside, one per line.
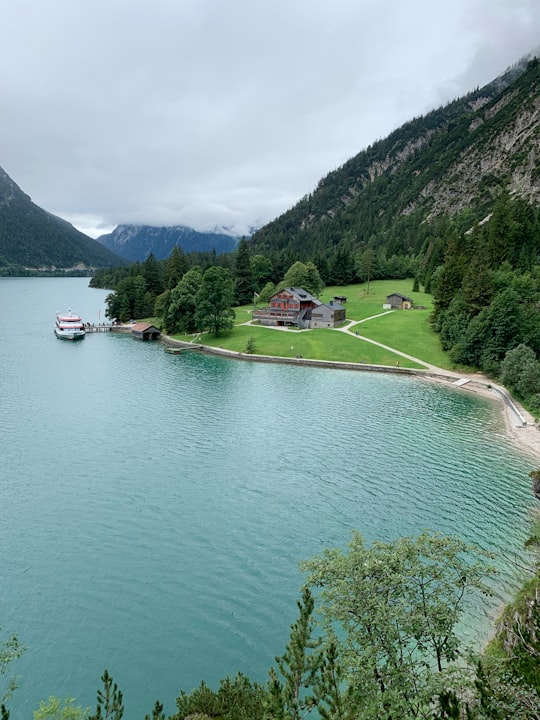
(155,507)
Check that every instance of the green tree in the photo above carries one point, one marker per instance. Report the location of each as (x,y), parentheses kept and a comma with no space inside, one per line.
(503,318)
(365,265)
(520,371)
(261,270)
(519,635)
(139,304)
(161,305)
(130,300)
(152,273)
(298,666)
(235,699)
(10,651)
(124,312)
(175,267)
(477,285)
(157,712)
(266,293)
(56,709)
(243,274)
(110,705)
(214,301)
(334,699)
(182,307)
(341,266)
(296,276)
(313,282)
(452,323)
(395,608)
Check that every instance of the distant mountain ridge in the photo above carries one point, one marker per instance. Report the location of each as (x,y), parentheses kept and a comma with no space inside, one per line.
(33,240)
(136,242)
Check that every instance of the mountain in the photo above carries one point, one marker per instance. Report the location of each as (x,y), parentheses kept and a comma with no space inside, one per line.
(32,239)
(136,242)
(456,161)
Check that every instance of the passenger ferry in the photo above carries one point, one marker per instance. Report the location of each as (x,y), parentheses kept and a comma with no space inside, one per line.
(69,326)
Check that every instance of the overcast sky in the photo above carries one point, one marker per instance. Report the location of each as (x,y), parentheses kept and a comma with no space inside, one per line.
(226,112)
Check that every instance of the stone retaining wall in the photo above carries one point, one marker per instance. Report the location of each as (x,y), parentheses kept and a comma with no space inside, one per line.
(170,342)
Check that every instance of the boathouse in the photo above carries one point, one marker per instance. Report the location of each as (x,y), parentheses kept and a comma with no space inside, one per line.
(145,331)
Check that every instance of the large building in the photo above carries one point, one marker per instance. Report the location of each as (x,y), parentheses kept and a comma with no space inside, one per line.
(298,308)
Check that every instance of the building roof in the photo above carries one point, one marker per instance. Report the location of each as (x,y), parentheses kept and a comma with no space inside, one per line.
(300,294)
(396,294)
(144,327)
(332,306)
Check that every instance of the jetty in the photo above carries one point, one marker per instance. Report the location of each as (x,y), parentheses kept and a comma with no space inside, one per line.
(106,327)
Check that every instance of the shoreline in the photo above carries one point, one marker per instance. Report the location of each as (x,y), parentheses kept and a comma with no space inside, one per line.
(520,425)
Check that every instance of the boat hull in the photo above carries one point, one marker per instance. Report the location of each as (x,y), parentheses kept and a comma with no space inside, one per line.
(69,334)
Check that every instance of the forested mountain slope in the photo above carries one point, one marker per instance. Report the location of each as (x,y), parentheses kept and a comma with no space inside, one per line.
(32,239)
(455,160)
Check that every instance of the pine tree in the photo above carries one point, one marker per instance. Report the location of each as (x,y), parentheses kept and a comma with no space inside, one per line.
(299,666)
(157,712)
(176,266)
(243,274)
(109,700)
(151,271)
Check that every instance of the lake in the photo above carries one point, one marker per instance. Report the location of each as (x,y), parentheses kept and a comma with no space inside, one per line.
(155,507)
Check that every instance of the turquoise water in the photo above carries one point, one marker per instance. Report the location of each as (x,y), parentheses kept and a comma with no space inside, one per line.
(155,507)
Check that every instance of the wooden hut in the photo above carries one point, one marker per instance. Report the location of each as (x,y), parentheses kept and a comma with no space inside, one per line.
(397,300)
(145,331)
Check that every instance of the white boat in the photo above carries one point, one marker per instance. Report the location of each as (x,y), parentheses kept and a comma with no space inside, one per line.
(69,326)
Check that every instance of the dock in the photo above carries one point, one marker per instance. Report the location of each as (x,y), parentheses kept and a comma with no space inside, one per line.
(105,327)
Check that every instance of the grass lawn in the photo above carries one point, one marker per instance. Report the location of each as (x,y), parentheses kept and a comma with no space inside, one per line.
(410,332)
(406,330)
(361,305)
(312,344)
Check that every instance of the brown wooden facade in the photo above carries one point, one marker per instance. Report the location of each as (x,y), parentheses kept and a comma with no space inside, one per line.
(145,331)
(296,307)
(399,301)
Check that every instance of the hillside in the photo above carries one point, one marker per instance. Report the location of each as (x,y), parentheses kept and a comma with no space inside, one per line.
(136,242)
(31,239)
(454,161)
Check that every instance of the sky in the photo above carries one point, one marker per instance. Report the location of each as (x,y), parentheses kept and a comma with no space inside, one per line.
(224,113)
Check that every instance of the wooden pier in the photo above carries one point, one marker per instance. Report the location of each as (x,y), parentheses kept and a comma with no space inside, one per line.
(106,327)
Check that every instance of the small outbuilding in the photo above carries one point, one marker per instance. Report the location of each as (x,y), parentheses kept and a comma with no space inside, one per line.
(398,301)
(145,331)
(330,315)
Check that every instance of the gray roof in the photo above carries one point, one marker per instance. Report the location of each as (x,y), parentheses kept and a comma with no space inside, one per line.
(403,297)
(301,294)
(333,306)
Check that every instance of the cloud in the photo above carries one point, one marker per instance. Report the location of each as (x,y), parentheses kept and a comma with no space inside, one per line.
(220,112)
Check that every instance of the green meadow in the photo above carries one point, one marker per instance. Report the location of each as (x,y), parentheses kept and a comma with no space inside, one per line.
(313,344)
(408,331)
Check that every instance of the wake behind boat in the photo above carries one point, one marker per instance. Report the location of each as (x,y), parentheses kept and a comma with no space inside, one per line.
(69,326)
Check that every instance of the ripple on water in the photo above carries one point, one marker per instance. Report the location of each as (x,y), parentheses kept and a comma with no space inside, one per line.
(155,524)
